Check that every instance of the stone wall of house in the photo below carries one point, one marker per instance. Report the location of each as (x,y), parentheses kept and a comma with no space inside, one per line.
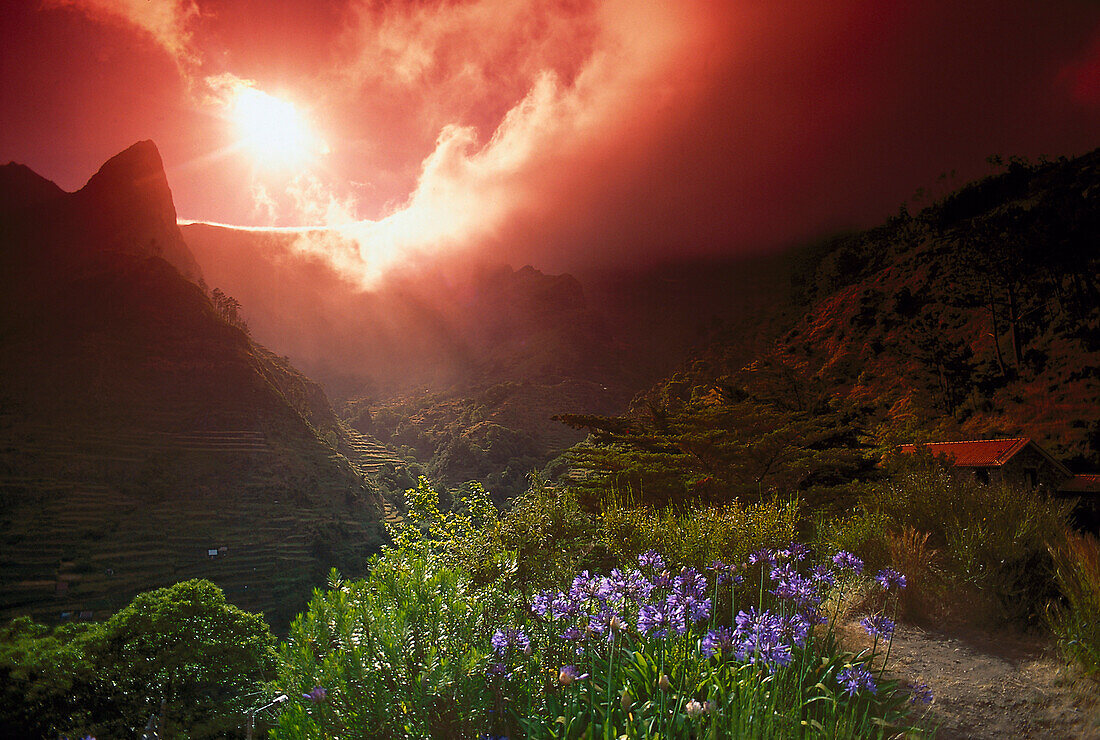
(1029,468)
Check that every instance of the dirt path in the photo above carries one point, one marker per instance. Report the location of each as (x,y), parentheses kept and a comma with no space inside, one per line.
(994,685)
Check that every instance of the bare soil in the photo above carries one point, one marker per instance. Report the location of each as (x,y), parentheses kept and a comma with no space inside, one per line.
(992,684)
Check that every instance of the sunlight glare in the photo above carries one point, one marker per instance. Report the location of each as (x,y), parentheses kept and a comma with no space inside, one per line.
(272,131)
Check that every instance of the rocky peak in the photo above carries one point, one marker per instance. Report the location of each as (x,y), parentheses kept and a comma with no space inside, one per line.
(127,207)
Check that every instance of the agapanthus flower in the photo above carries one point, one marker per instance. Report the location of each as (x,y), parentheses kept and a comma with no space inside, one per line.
(878,626)
(855,679)
(823,575)
(888,578)
(498,669)
(590,590)
(797,628)
(792,585)
(718,642)
(628,587)
(761,638)
(571,634)
(762,557)
(511,637)
(847,561)
(318,694)
(653,620)
(920,693)
(651,559)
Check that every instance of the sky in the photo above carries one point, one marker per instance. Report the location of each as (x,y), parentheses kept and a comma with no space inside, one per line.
(567,134)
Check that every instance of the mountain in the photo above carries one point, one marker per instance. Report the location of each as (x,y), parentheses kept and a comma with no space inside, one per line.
(457,364)
(140,426)
(978,317)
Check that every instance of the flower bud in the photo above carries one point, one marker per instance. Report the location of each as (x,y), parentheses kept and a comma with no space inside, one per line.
(626,701)
(664,684)
(694,709)
(616,624)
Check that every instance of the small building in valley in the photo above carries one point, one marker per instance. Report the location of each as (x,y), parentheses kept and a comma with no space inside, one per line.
(1017,461)
(1020,462)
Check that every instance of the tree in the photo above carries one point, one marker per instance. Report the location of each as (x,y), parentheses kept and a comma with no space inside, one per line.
(181,653)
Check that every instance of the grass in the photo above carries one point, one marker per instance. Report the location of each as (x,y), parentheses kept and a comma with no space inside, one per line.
(1074,620)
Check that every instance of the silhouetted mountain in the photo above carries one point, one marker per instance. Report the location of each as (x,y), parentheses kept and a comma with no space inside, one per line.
(139,428)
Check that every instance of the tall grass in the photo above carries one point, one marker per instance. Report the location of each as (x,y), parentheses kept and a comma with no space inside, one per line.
(1075,621)
(990,539)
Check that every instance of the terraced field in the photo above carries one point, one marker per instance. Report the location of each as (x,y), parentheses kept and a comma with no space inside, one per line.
(369,457)
(89,519)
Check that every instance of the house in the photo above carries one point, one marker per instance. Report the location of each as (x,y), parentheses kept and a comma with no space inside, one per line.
(1018,461)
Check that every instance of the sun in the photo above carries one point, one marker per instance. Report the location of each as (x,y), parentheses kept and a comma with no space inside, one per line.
(273,131)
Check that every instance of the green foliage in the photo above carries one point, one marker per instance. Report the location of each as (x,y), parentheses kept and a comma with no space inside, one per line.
(696,536)
(1074,621)
(43,674)
(447,532)
(397,653)
(181,653)
(548,533)
(716,441)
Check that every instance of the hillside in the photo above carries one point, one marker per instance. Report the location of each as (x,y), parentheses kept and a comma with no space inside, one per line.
(140,429)
(978,317)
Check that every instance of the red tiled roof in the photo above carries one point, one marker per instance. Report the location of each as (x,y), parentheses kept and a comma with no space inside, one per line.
(981,453)
(1087,483)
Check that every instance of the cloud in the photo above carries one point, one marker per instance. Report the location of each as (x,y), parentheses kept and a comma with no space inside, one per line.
(168,22)
(590,75)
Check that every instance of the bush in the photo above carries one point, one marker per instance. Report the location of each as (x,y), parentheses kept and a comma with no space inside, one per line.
(1074,621)
(394,656)
(990,537)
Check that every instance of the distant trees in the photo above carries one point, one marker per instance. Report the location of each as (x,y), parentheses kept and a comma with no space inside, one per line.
(766,429)
(228,308)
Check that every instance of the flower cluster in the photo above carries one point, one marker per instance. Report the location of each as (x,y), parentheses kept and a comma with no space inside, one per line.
(658,605)
(318,694)
(510,638)
(878,626)
(855,679)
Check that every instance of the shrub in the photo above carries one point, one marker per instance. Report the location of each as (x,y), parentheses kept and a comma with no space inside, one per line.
(1074,621)
(394,656)
(991,537)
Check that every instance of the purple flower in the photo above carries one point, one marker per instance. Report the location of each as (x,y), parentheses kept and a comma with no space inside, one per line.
(761,636)
(878,626)
(627,587)
(761,557)
(318,694)
(498,669)
(855,679)
(792,585)
(510,637)
(847,561)
(823,575)
(653,620)
(650,559)
(920,693)
(718,642)
(889,577)
(723,572)
(571,635)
